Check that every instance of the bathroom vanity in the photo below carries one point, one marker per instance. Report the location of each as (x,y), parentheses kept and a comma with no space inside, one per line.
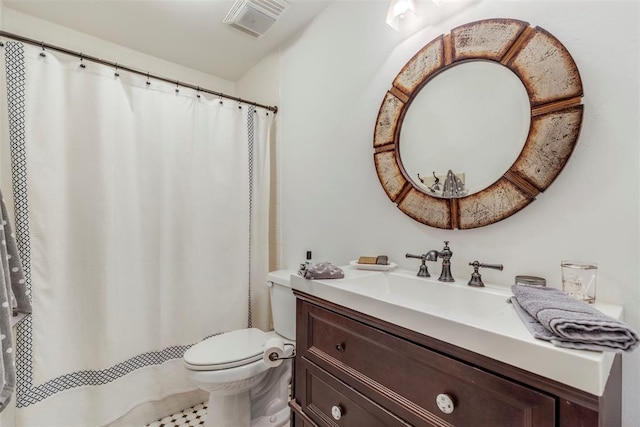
(361,361)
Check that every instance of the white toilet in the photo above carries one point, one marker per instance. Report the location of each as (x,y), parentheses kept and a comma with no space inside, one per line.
(243,390)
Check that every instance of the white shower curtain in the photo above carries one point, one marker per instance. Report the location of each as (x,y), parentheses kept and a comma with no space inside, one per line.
(143,215)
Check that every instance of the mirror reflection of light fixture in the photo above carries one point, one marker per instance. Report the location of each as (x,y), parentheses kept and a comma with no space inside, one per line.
(401,14)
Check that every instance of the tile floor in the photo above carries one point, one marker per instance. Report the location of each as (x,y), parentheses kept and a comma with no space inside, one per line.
(189,417)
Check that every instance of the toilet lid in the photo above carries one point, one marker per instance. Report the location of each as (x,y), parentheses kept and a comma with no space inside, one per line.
(227,350)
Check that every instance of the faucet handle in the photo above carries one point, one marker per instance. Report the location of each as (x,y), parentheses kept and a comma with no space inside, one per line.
(423,271)
(446,251)
(476,278)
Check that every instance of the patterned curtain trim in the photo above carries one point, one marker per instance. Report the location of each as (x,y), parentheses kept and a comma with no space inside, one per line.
(250,138)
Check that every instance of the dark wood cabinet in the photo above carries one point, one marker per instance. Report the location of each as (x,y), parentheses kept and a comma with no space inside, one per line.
(355,370)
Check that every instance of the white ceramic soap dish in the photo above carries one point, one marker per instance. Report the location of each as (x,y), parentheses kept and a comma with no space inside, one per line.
(376,267)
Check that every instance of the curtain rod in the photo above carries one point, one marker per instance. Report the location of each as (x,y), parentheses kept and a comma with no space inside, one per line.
(82,56)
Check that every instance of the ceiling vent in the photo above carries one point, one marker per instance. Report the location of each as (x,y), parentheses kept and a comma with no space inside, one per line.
(255,17)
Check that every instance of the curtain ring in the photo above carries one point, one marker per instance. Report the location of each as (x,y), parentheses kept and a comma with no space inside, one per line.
(148,82)
(220,98)
(198,92)
(42,53)
(117,74)
(82,65)
(177,86)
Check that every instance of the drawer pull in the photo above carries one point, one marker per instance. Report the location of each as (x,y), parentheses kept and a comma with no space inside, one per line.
(340,347)
(336,412)
(445,403)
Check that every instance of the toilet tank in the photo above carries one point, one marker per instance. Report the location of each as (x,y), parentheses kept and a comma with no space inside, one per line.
(283,303)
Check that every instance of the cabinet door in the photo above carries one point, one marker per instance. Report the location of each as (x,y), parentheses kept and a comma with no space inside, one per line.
(421,386)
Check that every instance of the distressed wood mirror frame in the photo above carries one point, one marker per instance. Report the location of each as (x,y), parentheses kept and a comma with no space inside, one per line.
(551,79)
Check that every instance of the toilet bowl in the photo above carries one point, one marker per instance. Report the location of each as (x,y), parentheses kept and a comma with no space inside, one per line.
(245,391)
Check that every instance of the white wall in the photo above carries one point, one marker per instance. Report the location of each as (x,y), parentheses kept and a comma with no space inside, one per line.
(333,78)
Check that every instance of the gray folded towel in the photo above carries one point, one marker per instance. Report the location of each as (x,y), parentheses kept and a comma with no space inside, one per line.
(321,270)
(554,316)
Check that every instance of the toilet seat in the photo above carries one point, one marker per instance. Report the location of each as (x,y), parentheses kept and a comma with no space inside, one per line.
(227,350)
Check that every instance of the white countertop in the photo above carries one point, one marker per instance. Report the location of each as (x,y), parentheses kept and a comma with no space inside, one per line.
(477,319)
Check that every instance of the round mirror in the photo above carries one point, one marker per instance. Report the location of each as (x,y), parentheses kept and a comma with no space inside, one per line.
(491,102)
(478,123)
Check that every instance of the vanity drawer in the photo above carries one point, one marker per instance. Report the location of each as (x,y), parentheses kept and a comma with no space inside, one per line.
(407,378)
(329,402)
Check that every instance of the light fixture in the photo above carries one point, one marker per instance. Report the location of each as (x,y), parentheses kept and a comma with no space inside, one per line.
(401,14)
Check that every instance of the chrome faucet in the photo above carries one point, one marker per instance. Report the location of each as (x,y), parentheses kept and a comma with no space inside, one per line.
(433,255)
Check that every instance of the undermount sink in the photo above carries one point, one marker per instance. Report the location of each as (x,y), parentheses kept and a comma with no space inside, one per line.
(477,319)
